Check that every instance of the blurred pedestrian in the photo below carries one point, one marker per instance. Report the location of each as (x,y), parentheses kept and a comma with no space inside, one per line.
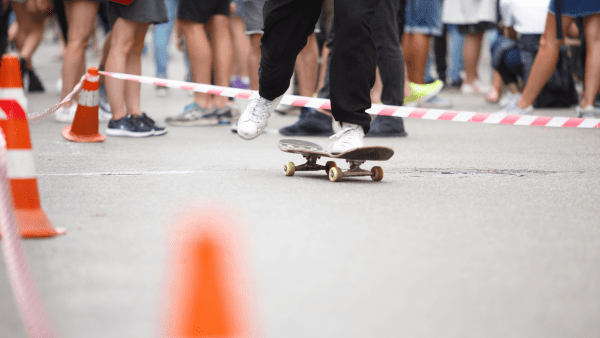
(125,56)
(473,18)
(205,26)
(548,54)
(241,46)
(81,19)
(161,36)
(423,20)
(31,18)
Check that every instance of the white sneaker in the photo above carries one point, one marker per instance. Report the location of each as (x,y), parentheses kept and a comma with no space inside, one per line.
(509,98)
(474,88)
(65,115)
(103,114)
(350,137)
(253,120)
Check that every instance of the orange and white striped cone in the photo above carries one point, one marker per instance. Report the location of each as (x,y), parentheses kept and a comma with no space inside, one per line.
(11,83)
(31,219)
(85,123)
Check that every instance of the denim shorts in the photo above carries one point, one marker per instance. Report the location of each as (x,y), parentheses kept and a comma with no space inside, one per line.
(576,8)
(423,17)
(253,16)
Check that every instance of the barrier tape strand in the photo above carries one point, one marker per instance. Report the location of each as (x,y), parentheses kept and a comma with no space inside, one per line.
(376,109)
(38,116)
(28,301)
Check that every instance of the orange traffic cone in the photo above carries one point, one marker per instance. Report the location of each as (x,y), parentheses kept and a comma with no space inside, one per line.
(207,294)
(30,217)
(85,123)
(11,83)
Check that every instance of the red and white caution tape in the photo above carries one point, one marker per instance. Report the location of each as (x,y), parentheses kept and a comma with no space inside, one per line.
(28,300)
(377,109)
(37,116)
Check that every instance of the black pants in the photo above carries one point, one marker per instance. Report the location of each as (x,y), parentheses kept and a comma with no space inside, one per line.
(389,55)
(390,59)
(288,23)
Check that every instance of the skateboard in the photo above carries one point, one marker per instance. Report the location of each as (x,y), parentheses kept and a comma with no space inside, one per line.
(356,157)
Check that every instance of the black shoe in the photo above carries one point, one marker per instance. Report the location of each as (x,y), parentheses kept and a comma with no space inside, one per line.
(310,123)
(145,121)
(387,126)
(35,85)
(128,127)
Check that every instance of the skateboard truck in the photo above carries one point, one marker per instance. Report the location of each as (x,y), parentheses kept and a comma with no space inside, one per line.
(312,152)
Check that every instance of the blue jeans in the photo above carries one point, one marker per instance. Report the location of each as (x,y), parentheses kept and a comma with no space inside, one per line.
(162,34)
(456,53)
(456,56)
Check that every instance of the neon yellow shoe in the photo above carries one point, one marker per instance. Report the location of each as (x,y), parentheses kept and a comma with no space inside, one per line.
(423,92)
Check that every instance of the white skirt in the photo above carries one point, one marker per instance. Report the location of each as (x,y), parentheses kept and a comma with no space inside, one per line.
(466,12)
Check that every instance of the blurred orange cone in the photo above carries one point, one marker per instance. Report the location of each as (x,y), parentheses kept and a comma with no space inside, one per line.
(85,123)
(11,83)
(30,217)
(208,296)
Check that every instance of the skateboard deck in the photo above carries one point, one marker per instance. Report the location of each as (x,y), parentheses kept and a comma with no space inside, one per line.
(355,157)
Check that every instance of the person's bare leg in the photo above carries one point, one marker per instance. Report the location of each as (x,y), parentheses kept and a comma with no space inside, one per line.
(545,61)
(32,24)
(220,37)
(81,16)
(409,55)
(254,60)
(494,94)
(134,67)
(323,67)
(407,90)
(471,51)
(200,55)
(105,50)
(307,67)
(591,27)
(421,55)
(120,46)
(241,46)
(377,88)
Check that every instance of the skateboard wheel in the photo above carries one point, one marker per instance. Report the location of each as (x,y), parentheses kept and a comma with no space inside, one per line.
(377,173)
(335,174)
(289,169)
(329,165)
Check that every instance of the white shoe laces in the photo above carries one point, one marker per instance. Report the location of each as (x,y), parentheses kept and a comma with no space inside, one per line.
(259,109)
(348,135)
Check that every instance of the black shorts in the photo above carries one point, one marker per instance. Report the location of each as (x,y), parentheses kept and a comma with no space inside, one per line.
(479,27)
(201,11)
(147,11)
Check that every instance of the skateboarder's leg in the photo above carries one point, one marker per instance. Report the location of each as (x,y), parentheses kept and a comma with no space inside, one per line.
(352,71)
(288,24)
(353,63)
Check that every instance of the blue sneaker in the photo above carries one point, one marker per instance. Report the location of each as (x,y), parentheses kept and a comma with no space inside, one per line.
(128,127)
(310,123)
(513,109)
(436,102)
(194,115)
(587,112)
(145,120)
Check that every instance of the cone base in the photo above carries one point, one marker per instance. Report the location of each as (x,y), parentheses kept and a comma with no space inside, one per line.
(33,223)
(96,137)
